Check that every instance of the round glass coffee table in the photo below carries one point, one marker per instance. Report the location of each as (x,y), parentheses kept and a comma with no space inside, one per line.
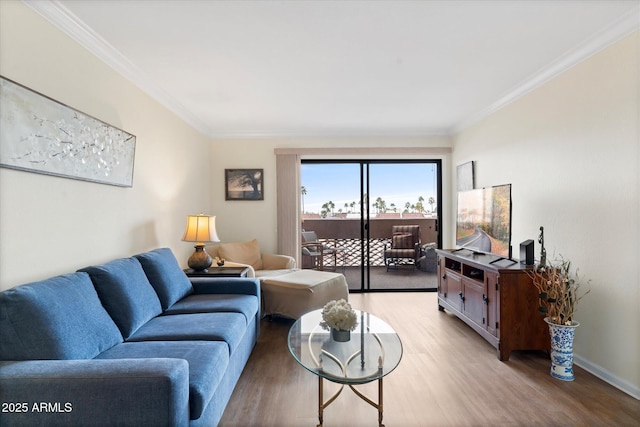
(373,351)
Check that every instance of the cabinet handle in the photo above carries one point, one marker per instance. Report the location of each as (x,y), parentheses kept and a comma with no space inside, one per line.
(444,277)
(485,299)
(461,296)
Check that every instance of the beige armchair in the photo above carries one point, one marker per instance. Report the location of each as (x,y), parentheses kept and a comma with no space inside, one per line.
(249,254)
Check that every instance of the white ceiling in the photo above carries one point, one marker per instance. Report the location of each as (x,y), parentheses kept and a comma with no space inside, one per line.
(339,68)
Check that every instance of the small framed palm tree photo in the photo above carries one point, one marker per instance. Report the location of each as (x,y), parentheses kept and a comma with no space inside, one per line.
(244,184)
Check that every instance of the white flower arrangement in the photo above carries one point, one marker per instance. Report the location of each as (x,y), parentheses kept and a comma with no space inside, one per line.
(339,315)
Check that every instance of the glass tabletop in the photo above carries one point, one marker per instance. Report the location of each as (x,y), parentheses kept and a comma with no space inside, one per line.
(373,351)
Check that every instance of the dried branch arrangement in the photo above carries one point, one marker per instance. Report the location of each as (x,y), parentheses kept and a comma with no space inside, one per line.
(559,290)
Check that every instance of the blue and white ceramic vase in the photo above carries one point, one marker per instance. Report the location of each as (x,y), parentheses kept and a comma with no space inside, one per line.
(340,335)
(562,350)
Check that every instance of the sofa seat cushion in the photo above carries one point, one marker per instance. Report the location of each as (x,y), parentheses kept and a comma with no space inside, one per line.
(242,252)
(207,361)
(227,327)
(217,303)
(165,275)
(57,318)
(126,293)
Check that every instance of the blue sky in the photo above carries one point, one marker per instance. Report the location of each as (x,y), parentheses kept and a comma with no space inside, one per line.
(393,182)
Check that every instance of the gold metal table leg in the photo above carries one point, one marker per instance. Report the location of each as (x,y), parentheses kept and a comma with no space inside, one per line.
(320,398)
(321,403)
(378,405)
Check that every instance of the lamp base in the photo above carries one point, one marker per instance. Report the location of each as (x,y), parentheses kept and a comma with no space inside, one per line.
(200,260)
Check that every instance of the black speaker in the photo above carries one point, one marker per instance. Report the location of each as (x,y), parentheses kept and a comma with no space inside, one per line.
(526,252)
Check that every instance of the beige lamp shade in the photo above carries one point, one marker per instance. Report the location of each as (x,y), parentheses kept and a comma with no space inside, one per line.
(200,229)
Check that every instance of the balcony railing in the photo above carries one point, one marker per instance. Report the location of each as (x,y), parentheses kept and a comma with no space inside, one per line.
(345,233)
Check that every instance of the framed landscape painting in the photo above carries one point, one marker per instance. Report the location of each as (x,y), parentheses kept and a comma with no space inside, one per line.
(244,184)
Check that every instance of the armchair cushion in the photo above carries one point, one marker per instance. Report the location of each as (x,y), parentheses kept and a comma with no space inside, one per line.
(261,274)
(242,252)
(126,293)
(402,241)
(277,262)
(57,318)
(401,253)
(309,237)
(165,275)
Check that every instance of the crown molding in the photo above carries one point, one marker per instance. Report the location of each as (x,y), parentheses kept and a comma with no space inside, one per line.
(363,151)
(614,32)
(332,133)
(58,15)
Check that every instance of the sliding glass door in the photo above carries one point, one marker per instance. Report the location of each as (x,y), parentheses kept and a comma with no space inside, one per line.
(353,207)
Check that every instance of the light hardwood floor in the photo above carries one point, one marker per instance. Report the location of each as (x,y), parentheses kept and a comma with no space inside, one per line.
(448,376)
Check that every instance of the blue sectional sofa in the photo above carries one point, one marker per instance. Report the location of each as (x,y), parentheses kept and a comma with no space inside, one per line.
(133,342)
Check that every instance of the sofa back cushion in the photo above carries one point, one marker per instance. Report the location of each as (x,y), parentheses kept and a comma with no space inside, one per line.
(243,252)
(125,293)
(165,275)
(57,318)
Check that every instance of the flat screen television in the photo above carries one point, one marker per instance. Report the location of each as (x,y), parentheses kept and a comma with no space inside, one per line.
(484,220)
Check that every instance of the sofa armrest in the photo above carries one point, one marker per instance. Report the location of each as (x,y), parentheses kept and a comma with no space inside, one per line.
(124,392)
(277,262)
(225,285)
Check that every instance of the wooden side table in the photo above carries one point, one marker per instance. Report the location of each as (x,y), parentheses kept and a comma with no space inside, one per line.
(218,272)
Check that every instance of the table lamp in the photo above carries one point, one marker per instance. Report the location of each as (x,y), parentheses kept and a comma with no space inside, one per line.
(200,229)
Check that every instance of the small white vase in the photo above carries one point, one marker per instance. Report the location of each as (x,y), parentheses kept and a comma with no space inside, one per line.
(562,350)
(340,335)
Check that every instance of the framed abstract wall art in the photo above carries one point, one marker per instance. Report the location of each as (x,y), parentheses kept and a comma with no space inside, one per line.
(39,134)
(465,176)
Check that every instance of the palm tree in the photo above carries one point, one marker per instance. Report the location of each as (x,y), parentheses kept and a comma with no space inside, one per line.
(325,210)
(303,192)
(331,206)
(381,205)
(419,205)
(432,202)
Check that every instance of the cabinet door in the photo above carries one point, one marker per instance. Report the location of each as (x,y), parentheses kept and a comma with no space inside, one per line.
(442,278)
(474,306)
(454,289)
(493,303)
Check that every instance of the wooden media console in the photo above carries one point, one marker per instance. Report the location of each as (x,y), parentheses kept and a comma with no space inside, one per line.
(495,297)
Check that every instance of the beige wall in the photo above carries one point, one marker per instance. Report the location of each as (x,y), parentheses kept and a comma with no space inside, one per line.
(243,220)
(51,225)
(570,149)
